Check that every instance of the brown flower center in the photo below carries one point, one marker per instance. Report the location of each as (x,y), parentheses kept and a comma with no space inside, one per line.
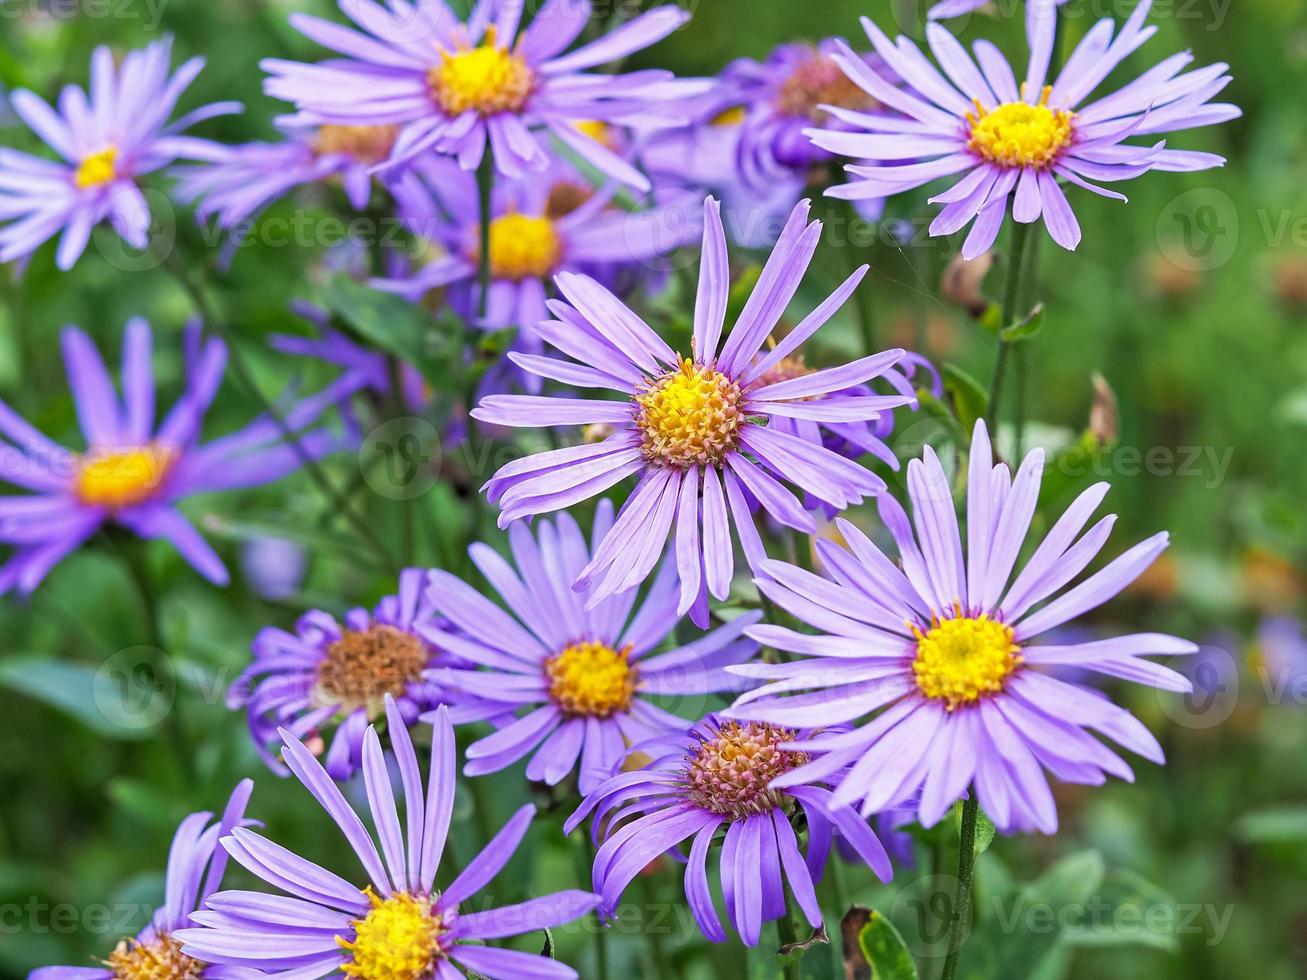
(161,959)
(816,82)
(365,665)
(730,772)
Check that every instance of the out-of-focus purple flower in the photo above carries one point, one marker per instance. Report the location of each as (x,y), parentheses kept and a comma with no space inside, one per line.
(580,673)
(460,88)
(1282,649)
(108,140)
(719,776)
(196,864)
(690,426)
(1015,142)
(274,567)
(947,9)
(398,924)
(134,473)
(937,656)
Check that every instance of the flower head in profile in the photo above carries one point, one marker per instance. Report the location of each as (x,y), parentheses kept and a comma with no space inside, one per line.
(108,140)
(939,655)
(133,473)
(581,678)
(235,183)
(396,925)
(717,780)
(1019,142)
(485,85)
(540,226)
(196,864)
(694,427)
(329,673)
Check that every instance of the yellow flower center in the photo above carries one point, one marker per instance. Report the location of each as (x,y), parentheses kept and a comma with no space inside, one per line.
(161,959)
(486,79)
(690,416)
(98,169)
(366,144)
(730,117)
(596,129)
(122,478)
(363,666)
(1018,134)
(730,772)
(399,939)
(591,680)
(522,247)
(961,660)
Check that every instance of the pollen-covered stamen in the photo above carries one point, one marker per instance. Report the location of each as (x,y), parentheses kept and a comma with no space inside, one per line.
(160,959)
(121,478)
(819,81)
(1018,134)
(400,938)
(959,661)
(730,771)
(365,144)
(485,79)
(522,247)
(690,416)
(97,169)
(591,680)
(363,666)
(786,369)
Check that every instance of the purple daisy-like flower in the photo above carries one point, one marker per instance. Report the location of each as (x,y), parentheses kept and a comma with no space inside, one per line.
(719,776)
(329,672)
(692,427)
(941,652)
(456,87)
(108,139)
(195,868)
(1015,142)
(237,182)
(134,473)
(397,924)
(947,9)
(540,226)
(582,675)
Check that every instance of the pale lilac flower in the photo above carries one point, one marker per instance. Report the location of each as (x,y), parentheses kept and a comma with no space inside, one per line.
(108,140)
(1018,142)
(462,88)
(938,658)
(692,427)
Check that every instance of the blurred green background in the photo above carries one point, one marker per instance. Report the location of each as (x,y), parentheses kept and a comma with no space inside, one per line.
(1190,301)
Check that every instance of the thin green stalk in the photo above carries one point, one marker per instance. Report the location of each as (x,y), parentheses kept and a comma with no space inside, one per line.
(585,859)
(1011,303)
(789,935)
(409,502)
(485,190)
(245,377)
(962,897)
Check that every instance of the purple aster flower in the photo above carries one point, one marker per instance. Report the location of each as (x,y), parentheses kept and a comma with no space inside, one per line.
(453,87)
(195,868)
(108,141)
(581,677)
(134,473)
(274,567)
(1281,648)
(947,9)
(237,182)
(541,225)
(396,925)
(718,777)
(694,428)
(1017,142)
(333,673)
(941,651)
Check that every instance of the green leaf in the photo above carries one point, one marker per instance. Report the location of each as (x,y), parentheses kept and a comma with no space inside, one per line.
(1279,825)
(390,322)
(315,541)
(548,951)
(147,804)
(885,951)
(984,828)
(992,318)
(970,400)
(1024,329)
(72,688)
(1128,910)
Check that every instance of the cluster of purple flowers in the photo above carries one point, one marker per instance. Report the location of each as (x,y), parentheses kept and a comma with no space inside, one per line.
(603,661)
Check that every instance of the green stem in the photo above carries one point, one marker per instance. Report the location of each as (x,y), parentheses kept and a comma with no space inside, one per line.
(585,859)
(245,378)
(789,935)
(962,897)
(485,190)
(1011,301)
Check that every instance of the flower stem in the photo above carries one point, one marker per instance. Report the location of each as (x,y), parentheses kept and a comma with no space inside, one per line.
(485,189)
(1011,300)
(962,897)
(789,935)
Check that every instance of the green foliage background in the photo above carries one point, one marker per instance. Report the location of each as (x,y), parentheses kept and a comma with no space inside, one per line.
(1216,360)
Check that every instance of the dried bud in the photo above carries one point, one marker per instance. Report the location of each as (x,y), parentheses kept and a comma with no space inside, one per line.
(1291,282)
(1104,417)
(1169,281)
(963,281)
